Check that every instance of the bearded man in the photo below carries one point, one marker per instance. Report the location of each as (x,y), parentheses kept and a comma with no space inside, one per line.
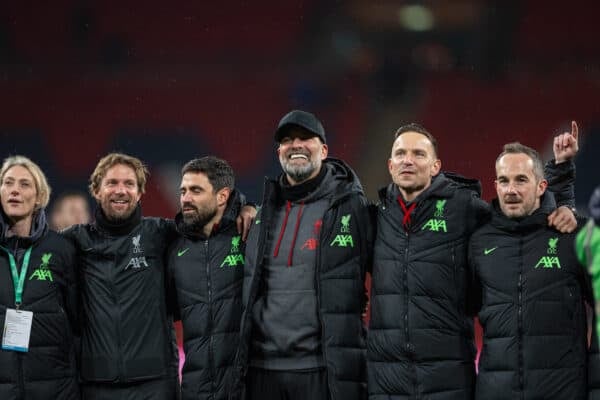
(128,348)
(206,269)
(302,334)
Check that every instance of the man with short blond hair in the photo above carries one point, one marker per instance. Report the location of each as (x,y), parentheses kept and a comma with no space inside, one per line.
(127,341)
(533,293)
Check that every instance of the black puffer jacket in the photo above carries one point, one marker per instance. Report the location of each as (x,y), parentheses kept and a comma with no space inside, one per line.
(420,342)
(533,313)
(206,275)
(341,264)
(126,333)
(48,370)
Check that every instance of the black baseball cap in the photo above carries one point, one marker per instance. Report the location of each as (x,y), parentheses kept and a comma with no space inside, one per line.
(302,119)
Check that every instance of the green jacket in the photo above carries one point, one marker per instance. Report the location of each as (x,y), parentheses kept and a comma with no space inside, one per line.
(587,246)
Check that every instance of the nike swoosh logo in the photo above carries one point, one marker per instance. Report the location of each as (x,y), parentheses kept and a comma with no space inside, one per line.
(182,252)
(488,251)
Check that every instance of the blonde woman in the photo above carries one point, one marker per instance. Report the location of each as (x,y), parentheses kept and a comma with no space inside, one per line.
(37,291)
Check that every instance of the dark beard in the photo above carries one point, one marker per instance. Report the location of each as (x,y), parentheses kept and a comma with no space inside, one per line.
(197,221)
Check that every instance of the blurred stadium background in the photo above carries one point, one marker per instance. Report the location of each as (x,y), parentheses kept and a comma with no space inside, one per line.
(169,81)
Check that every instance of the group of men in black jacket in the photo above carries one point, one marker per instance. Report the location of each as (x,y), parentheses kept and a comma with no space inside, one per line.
(300,332)
(280,316)
(442,255)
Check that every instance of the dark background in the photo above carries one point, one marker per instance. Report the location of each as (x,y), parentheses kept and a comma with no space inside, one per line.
(169,81)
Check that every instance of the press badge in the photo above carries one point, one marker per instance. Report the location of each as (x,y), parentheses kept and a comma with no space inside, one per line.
(17,329)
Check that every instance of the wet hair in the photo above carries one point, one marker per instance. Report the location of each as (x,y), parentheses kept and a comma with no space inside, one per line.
(518,148)
(112,159)
(39,179)
(414,127)
(218,171)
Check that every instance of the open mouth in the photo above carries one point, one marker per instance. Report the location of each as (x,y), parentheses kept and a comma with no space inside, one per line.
(298,156)
(120,202)
(512,201)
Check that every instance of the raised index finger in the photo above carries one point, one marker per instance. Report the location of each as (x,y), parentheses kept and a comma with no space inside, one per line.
(574,130)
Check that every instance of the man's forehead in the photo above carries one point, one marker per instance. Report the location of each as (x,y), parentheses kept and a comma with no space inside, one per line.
(121,169)
(515,164)
(194,179)
(411,139)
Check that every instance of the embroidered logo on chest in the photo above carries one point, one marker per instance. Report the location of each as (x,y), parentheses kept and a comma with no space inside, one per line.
(550,260)
(43,272)
(139,261)
(437,223)
(344,238)
(234,258)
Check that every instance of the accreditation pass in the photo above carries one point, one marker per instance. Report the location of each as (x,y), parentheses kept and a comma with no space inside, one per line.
(17,329)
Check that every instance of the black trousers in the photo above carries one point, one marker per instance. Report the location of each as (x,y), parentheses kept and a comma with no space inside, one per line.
(263,384)
(156,389)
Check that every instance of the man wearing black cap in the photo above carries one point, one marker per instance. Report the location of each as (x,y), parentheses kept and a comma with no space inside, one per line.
(306,257)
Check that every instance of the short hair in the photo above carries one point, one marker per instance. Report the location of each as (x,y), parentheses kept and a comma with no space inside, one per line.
(41,183)
(518,148)
(218,171)
(112,159)
(414,127)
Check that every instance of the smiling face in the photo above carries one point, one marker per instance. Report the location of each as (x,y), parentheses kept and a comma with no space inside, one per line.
(18,194)
(518,188)
(118,193)
(412,164)
(301,155)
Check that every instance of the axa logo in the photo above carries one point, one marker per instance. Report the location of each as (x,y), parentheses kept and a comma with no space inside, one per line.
(344,238)
(137,263)
(140,261)
(310,244)
(137,248)
(234,258)
(548,262)
(43,272)
(342,241)
(435,225)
